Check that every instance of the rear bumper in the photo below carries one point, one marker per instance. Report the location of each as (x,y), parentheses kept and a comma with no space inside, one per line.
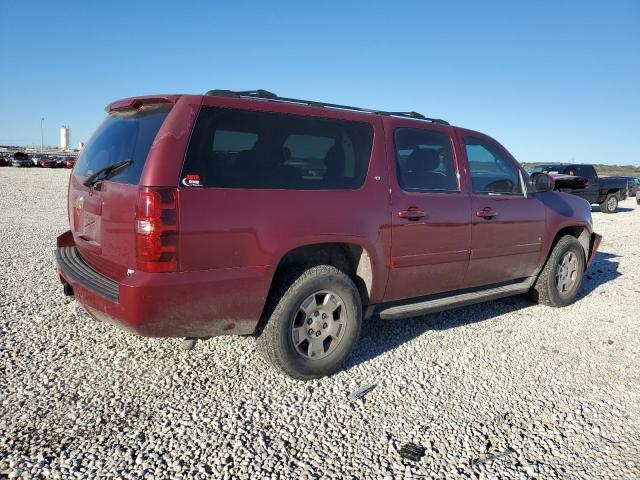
(77,273)
(181,304)
(594,244)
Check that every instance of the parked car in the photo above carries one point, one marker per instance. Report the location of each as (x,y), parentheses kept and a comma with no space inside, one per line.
(633,184)
(604,191)
(4,162)
(47,162)
(68,162)
(21,159)
(293,220)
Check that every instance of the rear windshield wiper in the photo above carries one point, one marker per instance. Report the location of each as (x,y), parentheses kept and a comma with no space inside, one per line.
(106,172)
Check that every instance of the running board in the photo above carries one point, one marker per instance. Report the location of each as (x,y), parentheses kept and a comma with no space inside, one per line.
(455,301)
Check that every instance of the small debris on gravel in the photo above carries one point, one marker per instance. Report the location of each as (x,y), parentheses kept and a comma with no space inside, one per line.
(411,451)
(360,392)
(492,456)
(189,344)
(82,399)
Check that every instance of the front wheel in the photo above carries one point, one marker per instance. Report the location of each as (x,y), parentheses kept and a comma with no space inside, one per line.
(314,325)
(561,278)
(610,203)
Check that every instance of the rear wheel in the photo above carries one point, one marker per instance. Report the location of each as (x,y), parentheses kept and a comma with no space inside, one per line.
(560,279)
(314,325)
(610,203)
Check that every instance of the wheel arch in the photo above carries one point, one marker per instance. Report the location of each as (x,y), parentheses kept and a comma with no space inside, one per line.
(354,259)
(580,232)
(357,260)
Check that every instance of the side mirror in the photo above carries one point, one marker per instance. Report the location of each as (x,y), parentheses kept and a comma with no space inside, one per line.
(542,182)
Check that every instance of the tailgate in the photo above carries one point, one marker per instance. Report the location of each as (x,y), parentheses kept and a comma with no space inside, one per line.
(102,215)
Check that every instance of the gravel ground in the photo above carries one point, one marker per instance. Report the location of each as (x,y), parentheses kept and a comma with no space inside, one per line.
(500,390)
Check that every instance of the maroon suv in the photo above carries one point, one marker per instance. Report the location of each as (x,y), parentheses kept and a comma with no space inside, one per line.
(292,220)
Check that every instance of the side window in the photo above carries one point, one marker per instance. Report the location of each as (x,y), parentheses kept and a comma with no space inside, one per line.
(226,142)
(252,149)
(491,171)
(425,161)
(308,153)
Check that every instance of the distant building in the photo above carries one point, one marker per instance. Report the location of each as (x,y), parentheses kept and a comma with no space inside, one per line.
(80,145)
(64,137)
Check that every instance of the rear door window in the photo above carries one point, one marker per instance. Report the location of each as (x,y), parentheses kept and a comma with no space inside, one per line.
(425,161)
(122,136)
(250,149)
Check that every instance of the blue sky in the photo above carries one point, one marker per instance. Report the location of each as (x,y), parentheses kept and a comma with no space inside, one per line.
(552,81)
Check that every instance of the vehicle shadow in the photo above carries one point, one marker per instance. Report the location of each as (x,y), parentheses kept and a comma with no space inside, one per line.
(380,336)
(596,208)
(603,269)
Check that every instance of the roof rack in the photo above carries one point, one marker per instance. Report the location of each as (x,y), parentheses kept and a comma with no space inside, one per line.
(265,94)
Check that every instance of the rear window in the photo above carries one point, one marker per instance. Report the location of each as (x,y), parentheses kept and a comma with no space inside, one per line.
(122,136)
(248,149)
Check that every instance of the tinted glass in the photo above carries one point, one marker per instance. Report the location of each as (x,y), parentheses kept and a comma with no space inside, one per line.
(547,168)
(249,149)
(122,136)
(586,171)
(491,171)
(425,160)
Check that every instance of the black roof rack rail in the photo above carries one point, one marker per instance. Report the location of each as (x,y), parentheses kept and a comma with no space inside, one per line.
(265,94)
(243,93)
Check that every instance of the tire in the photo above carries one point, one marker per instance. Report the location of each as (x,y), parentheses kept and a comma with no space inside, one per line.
(296,339)
(610,203)
(546,290)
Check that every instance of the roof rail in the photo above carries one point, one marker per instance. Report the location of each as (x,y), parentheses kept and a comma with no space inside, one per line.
(265,94)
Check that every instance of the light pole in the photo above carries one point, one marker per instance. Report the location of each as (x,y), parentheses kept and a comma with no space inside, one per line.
(41,136)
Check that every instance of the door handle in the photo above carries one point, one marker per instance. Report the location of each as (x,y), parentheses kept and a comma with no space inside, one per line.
(412,213)
(487,213)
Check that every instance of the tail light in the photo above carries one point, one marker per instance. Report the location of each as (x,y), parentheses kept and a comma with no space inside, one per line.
(157,230)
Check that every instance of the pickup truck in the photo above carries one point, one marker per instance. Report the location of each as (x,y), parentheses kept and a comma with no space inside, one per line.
(606,192)
(633,184)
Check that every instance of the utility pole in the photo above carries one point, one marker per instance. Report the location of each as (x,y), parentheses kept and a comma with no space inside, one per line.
(41,136)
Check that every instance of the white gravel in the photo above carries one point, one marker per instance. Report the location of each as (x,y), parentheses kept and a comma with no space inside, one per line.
(501,390)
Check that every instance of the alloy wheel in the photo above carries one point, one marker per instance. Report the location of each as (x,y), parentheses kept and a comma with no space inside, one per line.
(319,325)
(567,273)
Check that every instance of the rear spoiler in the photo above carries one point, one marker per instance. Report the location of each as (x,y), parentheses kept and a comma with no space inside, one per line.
(136,103)
(569,181)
